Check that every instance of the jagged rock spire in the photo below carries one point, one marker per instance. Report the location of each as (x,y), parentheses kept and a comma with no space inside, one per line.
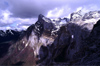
(40,17)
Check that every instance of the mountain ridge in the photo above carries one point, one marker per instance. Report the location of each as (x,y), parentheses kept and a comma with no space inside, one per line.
(63,41)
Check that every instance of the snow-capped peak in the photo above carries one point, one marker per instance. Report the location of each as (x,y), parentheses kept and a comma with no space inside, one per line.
(77,16)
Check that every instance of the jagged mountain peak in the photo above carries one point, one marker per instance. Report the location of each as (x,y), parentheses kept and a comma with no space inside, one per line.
(76,16)
(80,16)
(40,16)
(91,15)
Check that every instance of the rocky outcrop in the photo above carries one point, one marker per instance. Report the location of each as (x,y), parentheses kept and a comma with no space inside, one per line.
(13,53)
(15,49)
(73,46)
(93,45)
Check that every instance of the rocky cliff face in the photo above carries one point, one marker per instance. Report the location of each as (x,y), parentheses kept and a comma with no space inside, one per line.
(53,42)
(73,46)
(14,49)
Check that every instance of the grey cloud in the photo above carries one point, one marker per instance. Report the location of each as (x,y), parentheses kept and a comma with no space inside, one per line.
(32,8)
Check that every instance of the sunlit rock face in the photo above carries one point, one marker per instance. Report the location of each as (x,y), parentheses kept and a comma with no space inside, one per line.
(42,33)
(22,48)
(15,49)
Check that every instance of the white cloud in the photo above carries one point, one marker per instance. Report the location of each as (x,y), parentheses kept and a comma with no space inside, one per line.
(87,8)
(67,10)
(91,7)
(8,22)
(78,9)
(59,12)
(5,17)
(55,13)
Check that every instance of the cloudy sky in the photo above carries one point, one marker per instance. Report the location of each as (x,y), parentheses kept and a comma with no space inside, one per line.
(19,14)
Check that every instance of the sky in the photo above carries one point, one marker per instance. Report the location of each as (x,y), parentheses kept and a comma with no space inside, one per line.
(19,14)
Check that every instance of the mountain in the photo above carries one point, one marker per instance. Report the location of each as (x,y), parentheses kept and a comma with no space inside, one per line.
(80,16)
(10,35)
(76,16)
(91,15)
(61,41)
(76,49)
